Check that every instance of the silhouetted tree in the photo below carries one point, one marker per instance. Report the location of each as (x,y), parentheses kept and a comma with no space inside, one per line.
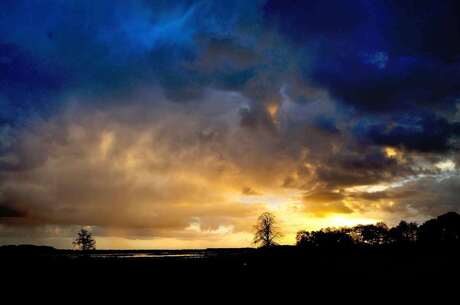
(304,239)
(444,230)
(84,241)
(371,234)
(404,232)
(266,230)
(441,231)
(325,238)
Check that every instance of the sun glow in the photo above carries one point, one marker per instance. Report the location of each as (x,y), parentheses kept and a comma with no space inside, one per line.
(392,152)
(345,221)
(292,216)
(273,110)
(292,220)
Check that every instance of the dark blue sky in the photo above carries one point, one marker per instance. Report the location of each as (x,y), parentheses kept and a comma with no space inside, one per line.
(376,57)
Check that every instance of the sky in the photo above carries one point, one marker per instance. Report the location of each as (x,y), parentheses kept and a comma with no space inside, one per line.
(174,124)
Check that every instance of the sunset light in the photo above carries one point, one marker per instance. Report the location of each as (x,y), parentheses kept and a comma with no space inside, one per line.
(177,124)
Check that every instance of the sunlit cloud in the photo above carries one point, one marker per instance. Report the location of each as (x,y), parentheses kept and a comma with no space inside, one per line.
(175,124)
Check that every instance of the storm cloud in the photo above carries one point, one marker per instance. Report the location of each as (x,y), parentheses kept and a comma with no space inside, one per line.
(177,123)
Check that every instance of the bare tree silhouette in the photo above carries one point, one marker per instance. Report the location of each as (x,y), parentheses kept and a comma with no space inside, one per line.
(84,241)
(266,230)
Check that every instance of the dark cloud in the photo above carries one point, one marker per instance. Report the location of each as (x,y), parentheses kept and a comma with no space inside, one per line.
(165,118)
(325,202)
(425,133)
(326,124)
(353,166)
(6,211)
(377,56)
(121,45)
(249,191)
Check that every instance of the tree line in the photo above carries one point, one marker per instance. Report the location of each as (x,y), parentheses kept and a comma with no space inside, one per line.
(443,230)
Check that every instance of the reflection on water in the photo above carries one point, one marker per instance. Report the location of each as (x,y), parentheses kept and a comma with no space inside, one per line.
(147,255)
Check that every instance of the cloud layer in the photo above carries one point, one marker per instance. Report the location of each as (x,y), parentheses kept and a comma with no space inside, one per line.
(177,124)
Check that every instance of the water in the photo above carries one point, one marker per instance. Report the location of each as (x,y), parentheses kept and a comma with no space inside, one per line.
(148,255)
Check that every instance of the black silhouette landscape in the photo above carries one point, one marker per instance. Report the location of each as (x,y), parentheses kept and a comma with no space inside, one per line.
(192,147)
(407,256)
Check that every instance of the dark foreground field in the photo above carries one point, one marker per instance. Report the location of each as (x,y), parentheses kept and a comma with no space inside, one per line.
(287,269)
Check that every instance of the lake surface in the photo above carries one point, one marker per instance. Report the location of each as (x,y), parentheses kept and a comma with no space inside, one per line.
(148,255)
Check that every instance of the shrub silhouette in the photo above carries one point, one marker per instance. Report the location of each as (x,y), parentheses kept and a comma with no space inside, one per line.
(84,241)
